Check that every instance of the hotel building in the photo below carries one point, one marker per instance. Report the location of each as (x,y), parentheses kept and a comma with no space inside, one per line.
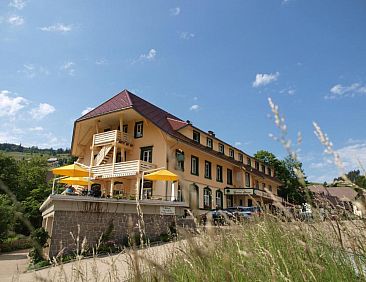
(125,137)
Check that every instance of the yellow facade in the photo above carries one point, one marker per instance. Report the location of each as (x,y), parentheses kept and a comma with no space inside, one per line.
(120,169)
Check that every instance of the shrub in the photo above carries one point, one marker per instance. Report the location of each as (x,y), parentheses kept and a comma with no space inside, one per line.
(39,240)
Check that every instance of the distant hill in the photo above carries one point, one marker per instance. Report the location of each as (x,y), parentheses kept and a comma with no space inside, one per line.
(19,152)
(7,147)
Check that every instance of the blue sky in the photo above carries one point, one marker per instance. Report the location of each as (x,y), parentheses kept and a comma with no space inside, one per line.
(214,63)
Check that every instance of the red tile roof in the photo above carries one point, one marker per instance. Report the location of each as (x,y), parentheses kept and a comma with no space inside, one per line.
(162,119)
(342,193)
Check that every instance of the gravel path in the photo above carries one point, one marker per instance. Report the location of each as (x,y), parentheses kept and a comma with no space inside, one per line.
(113,268)
(13,264)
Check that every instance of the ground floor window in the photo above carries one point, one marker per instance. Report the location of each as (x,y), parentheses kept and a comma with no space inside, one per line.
(207,198)
(219,199)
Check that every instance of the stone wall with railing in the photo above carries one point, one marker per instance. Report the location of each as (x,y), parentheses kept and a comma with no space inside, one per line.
(85,217)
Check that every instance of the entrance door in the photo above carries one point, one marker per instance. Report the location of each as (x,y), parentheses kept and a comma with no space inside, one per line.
(229,201)
(193,197)
(250,202)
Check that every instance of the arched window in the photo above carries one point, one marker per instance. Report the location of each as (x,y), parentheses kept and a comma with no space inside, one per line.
(207,198)
(219,199)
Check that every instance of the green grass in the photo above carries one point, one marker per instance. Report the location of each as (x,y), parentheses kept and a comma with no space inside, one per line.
(269,250)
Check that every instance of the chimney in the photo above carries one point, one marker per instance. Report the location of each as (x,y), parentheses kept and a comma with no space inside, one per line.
(210,132)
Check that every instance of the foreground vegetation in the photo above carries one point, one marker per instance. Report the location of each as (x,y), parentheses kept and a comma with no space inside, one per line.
(270,250)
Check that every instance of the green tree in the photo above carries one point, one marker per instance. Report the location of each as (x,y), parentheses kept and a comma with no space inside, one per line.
(9,174)
(291,189)
(6,216)
(355,177)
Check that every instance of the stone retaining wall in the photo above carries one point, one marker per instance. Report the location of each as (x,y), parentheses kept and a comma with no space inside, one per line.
(69,220)
(92,225)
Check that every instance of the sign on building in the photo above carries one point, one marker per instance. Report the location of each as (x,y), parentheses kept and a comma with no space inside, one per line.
(239,191)
(164,210)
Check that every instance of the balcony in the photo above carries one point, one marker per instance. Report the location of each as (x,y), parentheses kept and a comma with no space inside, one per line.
(121,169)
(110,137)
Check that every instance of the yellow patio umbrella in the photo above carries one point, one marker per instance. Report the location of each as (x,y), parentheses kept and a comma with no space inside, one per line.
(72,170)
(82,181)
(162,174)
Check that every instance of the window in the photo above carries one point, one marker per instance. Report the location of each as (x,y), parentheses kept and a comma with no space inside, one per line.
(221,148)
(257,184)
(270,188)
(196,136)
(247,179)
(219,173)
(219,199)
(249,161)
(207,198)
(231,153)
(263,168)
(208,173)
(125,128)
(229,176)
(240,157)
(179,154)
(263,185)
(209,143)
(139,129)
(257,165)
(269,171)
(194,165)
(146,154)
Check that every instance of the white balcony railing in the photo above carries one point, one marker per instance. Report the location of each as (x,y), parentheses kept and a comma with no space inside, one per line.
(121,169)
(111,136)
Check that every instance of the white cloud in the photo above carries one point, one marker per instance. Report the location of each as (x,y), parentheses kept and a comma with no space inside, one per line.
(16,20)
(59,27)
(262,79)
(36,128)
(42,110)
(18,4)
(87,110)
(149,56)
(237,144)
(186,35)
(194,107)
(352,154)
(174,11)
(288,91)
(30,70)
(9,105)
(68,67)
(340,91)
(101,61)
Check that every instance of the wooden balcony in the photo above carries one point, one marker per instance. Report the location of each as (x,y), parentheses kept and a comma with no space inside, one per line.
(112,136)
(121,169)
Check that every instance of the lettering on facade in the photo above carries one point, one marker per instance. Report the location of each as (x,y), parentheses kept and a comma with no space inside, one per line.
(239,191)
(167,210)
